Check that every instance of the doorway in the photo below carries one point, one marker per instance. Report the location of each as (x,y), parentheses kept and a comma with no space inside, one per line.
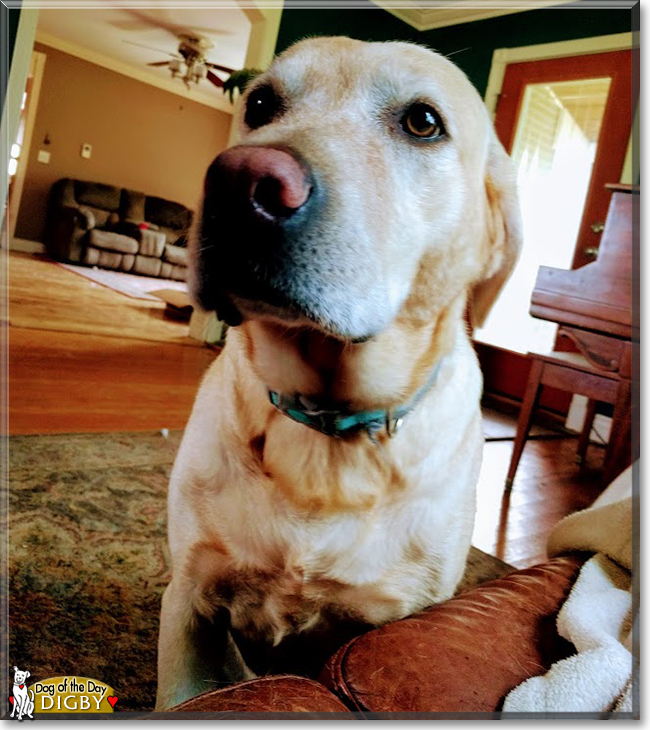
(19,150)
(566,123)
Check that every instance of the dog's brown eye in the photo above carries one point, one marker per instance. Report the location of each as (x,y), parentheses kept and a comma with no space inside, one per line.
(421,120)
(262,106)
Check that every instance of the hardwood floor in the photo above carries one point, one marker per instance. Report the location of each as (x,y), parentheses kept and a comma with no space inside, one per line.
(45,296)
(66,382)
(85,358)
(549,485)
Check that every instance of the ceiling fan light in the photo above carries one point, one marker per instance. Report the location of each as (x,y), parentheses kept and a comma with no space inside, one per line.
(175,66)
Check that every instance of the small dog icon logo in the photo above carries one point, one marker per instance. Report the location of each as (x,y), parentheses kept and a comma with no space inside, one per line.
(23,698)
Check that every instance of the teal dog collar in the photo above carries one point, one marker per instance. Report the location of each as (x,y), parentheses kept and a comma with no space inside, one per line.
(341,424)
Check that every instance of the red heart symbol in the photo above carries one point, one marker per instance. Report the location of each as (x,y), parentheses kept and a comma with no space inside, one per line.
(21,686)
(11,699)
(112,700)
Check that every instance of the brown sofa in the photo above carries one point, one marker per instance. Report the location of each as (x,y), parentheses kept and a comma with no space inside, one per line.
(116,228)
(460,656)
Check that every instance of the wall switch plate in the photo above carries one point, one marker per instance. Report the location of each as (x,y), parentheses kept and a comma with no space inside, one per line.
(86,150)
(43,156)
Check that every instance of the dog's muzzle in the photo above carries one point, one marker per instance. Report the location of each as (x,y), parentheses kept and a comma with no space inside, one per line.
(258,207)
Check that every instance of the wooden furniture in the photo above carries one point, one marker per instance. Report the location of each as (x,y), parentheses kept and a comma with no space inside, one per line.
(594,306)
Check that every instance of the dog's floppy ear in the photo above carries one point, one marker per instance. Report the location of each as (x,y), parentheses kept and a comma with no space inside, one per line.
(27,674)
(503,232)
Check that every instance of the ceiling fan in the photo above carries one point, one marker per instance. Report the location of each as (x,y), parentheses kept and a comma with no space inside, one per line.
(190,62)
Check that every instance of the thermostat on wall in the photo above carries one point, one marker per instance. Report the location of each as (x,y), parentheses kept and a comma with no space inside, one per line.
(86,150)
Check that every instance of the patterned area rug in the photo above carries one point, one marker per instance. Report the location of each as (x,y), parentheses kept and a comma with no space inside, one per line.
(88,559)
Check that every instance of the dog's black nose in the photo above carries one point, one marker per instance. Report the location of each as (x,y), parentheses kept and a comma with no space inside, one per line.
(271,182)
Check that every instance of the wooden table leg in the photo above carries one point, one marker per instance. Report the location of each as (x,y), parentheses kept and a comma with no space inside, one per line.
(619,449)
(583,441)
(525,417)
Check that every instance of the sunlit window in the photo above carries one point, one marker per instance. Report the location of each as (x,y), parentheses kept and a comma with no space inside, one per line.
(554,150)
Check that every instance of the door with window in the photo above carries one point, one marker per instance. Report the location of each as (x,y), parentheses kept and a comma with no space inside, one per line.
(566,123)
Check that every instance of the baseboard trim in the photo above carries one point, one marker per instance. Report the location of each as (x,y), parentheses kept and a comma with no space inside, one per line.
(512,406)
(26,246)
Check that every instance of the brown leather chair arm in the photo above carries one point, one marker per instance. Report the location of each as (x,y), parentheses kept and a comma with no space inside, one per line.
(463,655)
(284,694)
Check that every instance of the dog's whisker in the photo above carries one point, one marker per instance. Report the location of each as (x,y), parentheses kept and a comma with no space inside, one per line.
(453,53)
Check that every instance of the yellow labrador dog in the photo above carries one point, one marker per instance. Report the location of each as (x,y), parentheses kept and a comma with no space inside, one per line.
(326,479)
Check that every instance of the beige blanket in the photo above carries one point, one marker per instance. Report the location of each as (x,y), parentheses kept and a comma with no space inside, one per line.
(597,616)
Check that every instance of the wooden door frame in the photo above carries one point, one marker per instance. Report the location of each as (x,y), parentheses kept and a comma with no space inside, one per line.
(18,72)
(502,57)
(37,67)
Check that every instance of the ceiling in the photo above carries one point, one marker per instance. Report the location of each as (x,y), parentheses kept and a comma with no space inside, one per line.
(98,35)
(430,14)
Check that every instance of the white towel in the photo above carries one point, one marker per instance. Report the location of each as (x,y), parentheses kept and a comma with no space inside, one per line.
(596,617)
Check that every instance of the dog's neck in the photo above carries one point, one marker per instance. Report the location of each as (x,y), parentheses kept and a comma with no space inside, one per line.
(384,372)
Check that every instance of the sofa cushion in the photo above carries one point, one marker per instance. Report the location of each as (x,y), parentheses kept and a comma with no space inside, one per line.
(178,272)
(147,265)
(112,241)
(175,255)
(173,271)
(152,243)
(463,655)
(97,195)
(91,256)
(128,259)
(166,213)
(99,257)
(267,694)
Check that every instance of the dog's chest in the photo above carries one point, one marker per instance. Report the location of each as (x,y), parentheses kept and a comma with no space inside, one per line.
(284,565)
(345,576)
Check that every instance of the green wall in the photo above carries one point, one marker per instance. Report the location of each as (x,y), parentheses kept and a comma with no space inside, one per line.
(471,44)
(8,30)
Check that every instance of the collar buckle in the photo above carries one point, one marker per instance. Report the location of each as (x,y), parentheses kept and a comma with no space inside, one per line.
(393,423)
